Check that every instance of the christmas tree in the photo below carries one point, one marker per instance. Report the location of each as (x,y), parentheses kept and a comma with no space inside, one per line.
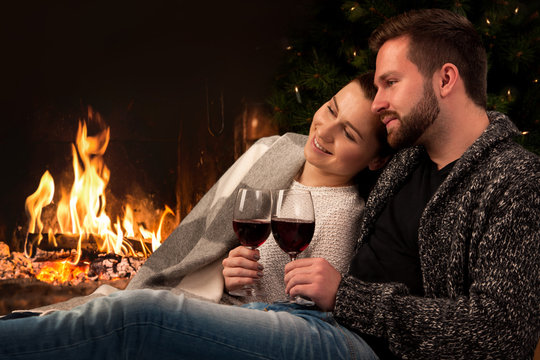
(323,58)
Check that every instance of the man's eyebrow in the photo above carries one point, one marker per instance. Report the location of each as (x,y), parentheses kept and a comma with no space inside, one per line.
(385,76)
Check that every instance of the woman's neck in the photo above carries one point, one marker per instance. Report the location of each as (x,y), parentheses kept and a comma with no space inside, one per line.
(311,176)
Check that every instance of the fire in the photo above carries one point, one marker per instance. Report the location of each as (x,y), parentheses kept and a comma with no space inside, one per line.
(62,271)
(82,210)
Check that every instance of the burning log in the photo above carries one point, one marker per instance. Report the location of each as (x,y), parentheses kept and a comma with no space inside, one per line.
(89,245)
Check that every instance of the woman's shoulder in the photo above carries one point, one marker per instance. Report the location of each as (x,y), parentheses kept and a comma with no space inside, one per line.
(298,139)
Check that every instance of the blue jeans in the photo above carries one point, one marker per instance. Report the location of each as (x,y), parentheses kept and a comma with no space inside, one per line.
(152,324)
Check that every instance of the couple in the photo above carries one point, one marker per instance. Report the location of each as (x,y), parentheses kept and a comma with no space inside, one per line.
(446,264)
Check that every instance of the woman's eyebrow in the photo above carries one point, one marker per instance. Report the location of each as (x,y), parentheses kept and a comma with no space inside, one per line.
(348,123)
(335,103)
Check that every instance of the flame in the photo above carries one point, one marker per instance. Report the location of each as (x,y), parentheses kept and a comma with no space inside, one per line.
(36,202)
(82,210)
(62,272)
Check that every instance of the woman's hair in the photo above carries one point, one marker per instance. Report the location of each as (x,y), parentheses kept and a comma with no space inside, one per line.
(366,178)
(366,81)
(437,37)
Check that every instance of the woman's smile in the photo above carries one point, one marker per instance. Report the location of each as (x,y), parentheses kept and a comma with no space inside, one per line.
(319,146)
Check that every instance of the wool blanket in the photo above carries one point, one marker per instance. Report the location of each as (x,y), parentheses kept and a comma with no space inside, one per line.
(189,260)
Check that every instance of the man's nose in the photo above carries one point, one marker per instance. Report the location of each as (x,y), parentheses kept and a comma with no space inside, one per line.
(379,103)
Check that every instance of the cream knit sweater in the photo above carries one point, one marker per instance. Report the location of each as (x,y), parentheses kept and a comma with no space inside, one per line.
(337,214)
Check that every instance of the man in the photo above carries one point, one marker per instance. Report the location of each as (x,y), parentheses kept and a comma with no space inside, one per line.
(457,219)
(448,260)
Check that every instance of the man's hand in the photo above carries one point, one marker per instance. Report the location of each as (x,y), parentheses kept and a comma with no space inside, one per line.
(314,278)
(241,268)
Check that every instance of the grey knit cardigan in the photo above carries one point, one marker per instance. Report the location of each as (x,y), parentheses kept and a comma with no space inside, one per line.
(479,245)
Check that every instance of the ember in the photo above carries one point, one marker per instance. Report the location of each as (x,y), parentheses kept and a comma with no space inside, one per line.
(55,267)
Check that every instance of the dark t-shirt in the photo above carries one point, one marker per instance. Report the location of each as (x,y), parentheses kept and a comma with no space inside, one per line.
(391,253)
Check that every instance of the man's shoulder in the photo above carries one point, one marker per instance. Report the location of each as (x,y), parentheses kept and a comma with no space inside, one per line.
(513,166)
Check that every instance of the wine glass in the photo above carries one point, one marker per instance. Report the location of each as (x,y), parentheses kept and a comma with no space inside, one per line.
(251,223)
(293,224)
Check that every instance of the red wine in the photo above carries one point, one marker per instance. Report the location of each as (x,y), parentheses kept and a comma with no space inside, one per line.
(292,235)
(252,233)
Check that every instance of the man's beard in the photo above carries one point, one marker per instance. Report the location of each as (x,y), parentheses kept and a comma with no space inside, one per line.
(414,124)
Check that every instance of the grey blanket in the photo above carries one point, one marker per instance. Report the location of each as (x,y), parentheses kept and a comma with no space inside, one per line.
(189,260)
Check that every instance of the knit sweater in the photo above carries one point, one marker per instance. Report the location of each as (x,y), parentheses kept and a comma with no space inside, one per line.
(479,246)
(337,212)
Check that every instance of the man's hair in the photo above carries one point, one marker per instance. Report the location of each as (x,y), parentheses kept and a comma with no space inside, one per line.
(437,37)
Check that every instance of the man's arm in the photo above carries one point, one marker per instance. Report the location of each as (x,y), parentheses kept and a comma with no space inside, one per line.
(498,318)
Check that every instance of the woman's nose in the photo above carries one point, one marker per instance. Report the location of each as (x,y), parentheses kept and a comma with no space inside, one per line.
(326,130)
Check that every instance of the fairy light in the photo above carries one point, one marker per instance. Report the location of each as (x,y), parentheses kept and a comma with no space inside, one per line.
(289,47)
(354,53)
(297,92)
(353,8)
(524,133)
(488,22)
(516,10)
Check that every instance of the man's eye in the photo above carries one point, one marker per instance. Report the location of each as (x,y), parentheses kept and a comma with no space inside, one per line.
(391,82)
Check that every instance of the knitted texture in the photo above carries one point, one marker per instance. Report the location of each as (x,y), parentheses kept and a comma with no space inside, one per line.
(337,212)
(479,245)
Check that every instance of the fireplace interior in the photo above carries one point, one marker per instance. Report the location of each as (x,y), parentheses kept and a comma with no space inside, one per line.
(178,84)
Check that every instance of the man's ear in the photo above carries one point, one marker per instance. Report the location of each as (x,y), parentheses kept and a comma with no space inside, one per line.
(447,78)
(378,162)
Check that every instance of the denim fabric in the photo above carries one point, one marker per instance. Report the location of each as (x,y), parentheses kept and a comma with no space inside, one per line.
(155,324)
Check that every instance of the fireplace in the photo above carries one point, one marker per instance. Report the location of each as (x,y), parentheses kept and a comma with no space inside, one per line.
(182,93)
(157,178)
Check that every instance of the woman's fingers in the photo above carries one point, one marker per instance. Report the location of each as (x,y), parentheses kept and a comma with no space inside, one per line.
(241,268)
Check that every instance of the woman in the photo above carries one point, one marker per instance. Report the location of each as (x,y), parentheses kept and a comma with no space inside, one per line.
(345,138)
(149,323)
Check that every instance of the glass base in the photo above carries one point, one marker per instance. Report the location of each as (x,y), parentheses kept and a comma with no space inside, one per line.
(245,291)
(303,301)
(300,300)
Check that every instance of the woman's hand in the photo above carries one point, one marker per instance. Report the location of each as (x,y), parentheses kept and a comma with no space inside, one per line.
(314,278)
(241,268)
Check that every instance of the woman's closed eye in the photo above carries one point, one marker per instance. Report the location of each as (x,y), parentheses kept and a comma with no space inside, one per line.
(348,135)
(331,110)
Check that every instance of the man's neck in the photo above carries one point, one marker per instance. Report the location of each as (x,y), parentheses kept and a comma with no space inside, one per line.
(454,134)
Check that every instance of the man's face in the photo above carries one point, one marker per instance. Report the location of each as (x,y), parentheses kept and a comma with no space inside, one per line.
(405,100)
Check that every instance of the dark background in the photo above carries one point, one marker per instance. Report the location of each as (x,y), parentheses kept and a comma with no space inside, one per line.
(154,70)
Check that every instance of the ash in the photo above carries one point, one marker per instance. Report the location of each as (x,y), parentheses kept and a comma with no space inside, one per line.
(15,265)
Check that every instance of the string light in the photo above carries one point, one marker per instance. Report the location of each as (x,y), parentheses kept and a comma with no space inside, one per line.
(298,98)
(488,22)
(516,10)
(524,133)
(354,7)
(535,81)
(354,53)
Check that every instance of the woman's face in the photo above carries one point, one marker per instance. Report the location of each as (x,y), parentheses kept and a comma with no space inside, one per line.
(343,135)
